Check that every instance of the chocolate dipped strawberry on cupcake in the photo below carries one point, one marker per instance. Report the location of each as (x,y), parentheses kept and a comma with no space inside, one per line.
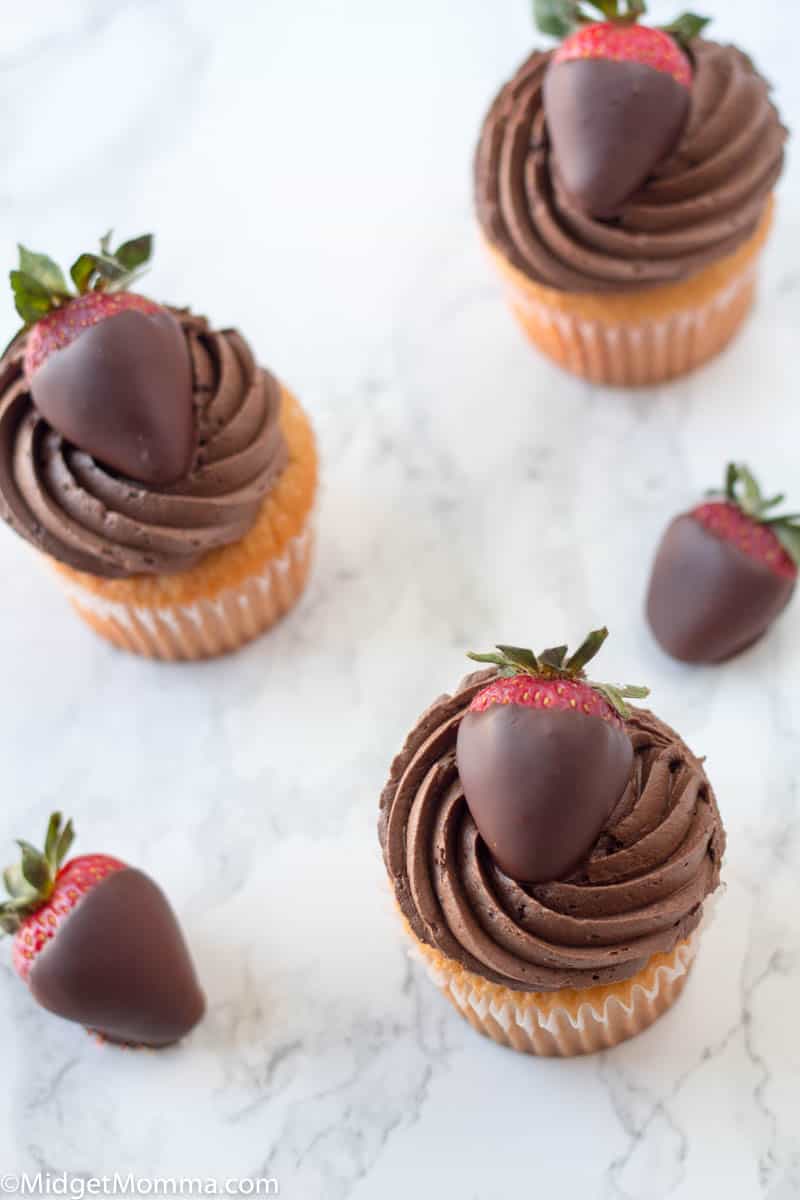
(623,186)
(550,850)
(168,478)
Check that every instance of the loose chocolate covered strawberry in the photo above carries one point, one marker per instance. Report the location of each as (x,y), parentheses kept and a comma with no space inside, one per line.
(616,96)
(98,943)
(723,572)
(107,368)
(544,758)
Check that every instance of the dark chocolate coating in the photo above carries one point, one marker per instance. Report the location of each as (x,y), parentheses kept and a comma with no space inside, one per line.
(120,967)
(610,124)
(707,599)
(541,785)
(122,391)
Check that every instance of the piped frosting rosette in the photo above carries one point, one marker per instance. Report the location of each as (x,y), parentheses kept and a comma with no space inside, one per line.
(701,205)
(89,517)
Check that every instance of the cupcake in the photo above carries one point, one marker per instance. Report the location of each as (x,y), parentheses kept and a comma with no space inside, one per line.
(550,850)
(167,478)
(624,190)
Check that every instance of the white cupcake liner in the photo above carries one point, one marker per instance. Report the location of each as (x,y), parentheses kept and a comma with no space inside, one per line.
(539,1023)
(206,627)
(636,353)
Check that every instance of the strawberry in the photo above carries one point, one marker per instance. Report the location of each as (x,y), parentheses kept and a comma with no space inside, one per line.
(42,294)
(69,886)
(97,943)
(44,893)
(723,572)
(616,97)
(544,757)
(726,520)
(63,325)
(108,369)
(628,43)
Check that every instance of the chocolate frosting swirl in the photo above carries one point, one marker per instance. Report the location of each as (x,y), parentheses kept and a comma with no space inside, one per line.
(703,202)
(91,518)
(640,890)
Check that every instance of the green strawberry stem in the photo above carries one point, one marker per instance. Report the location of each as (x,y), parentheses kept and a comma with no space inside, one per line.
(39,285)
(560,18)
(554,664)
(742,489)
(30,882)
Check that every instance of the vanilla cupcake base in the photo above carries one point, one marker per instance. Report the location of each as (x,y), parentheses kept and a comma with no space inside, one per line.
(207,627)
(641,338)
(569,1022)
(232,594)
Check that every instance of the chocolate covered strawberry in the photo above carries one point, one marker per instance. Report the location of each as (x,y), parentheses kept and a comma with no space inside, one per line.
(98,943)
(723,572)
(107,368)
(616,96)
(544,758)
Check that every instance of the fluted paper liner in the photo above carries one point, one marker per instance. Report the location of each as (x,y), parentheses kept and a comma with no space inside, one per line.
(640,338)
(233,594)
(208,627)
(567,1022)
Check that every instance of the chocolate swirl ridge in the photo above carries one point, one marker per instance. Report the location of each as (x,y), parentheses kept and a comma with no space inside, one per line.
(640,890)
(84,514)
(704,201)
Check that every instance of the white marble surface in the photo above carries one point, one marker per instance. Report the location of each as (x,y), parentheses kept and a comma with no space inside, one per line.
(306,168)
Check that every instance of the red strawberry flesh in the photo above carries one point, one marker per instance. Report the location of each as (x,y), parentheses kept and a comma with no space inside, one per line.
(61,327)
(628,43)
(755,539)
(74,881)
(553,694)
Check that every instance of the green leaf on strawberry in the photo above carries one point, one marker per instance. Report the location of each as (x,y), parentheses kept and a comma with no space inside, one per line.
(557,18)
(686,27)
(32,299)
(554,657)
(43,270)
(742,489)
(81,272)
(136,252)
(560,18)
(30,882)
(586,651)
(517,656)
(39,284)
(553,664)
